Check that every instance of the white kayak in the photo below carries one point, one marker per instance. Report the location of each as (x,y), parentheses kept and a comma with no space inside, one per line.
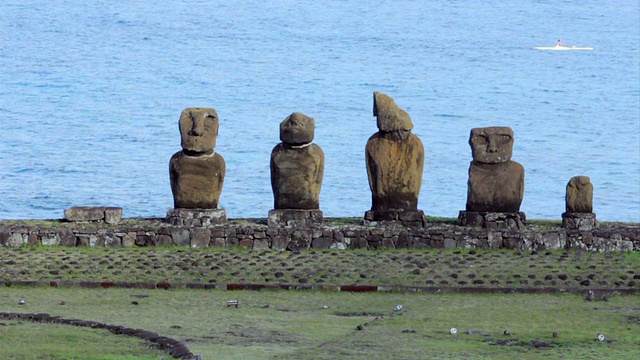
(562,48)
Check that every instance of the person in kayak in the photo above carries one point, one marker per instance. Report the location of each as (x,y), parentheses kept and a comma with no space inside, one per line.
(559,43)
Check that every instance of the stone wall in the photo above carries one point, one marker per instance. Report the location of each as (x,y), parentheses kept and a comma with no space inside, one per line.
(332,234)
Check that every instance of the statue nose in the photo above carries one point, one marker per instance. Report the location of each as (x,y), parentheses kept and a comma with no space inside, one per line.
(492,148)
(196,129)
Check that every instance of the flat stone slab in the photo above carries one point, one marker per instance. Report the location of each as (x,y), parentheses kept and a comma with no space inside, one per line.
(579,221)
(294,217)
(196,217)
(493,220)
(110,215)
(410,218)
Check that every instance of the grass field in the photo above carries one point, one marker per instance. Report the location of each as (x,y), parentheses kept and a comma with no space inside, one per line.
(424,267)
(324,324)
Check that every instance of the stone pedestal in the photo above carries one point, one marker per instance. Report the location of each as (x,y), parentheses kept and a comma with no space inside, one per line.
(294,217)
(493,220)
(109,215)
(579,221)
(409,218)
(196,217)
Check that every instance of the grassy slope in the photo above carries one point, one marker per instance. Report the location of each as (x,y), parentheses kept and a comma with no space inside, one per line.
(294,325)
(423,267)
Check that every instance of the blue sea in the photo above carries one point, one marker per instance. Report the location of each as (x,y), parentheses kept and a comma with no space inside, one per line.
(91,93)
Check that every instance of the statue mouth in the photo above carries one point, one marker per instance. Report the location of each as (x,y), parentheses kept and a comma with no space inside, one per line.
(199,154)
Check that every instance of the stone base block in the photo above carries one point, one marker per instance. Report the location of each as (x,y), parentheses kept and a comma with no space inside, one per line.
(294,217)
(196,217)
(409,218)
(110,215)
(493,220)
(579,221)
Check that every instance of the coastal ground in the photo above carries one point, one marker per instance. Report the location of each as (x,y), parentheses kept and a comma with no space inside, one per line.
(326,323)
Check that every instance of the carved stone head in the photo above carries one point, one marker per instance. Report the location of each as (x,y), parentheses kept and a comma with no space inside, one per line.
(390,116)
(199,129)
(297,129)
(491,145)
(579,198)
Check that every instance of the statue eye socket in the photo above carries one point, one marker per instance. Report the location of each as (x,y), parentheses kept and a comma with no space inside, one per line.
(480,139)
(505,138)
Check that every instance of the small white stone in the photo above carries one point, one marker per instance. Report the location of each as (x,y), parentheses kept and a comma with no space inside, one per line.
(22,302)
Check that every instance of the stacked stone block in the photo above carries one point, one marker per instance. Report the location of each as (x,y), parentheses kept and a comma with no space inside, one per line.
(259,236)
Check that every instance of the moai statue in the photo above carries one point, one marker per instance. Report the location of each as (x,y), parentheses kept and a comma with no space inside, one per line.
(395,160)
(496,183)
(197,172)
(579,197)
(579,204)
(297,167)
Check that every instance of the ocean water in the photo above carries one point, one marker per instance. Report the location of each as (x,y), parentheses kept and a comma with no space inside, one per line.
(91,93)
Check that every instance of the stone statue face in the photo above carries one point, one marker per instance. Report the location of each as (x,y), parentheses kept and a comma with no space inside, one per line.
(297,129)
(199,129)
(491,145)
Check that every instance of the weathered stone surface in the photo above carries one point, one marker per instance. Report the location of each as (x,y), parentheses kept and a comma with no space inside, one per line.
(296,176)
(164,240)
(409,218)
(180,236)
(496,184)
(390,117)
(300,239)
(112,215)
(199,129)
(292,217)
(4,237)
(196,217)
(129,239)
(297,165)
(321,243)
(196,181)
(491,145)
(579,198)
(297,129)
(50,239)
(200,238)
(260,244)
(197,172)
(395,158)
(579,221)
(16,240)
(112,240)
(87,213)
(502,230)
(67,237)
(493,220)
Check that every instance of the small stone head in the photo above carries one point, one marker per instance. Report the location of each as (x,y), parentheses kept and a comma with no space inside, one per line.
(297,129)
(579,198)
(491,145)
(390,117)
(199,129)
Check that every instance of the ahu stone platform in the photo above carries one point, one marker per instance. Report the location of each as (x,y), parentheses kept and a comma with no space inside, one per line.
(332,233)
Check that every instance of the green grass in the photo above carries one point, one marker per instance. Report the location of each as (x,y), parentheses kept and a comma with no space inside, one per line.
(25,340)
(389,267)
(294,325)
